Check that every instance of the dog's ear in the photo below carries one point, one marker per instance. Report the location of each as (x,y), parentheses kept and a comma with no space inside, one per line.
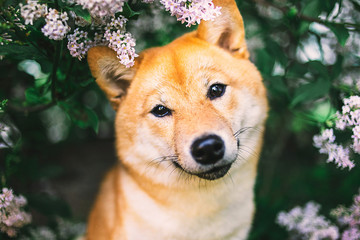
(111,76)
(227,30)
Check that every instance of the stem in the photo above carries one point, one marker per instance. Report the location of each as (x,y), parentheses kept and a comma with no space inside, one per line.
(58,49)
(69,69)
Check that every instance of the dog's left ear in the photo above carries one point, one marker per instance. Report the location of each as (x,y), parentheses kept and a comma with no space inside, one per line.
(111,76)
(227,30)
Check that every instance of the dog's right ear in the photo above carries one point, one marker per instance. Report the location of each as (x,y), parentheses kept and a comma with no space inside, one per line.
(227,30)
(111,76)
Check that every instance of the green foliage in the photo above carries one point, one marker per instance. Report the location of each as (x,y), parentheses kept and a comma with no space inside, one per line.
(59,105)
(3,104)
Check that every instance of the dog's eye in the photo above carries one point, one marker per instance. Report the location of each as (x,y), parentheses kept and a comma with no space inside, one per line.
(161,111)
(216,91)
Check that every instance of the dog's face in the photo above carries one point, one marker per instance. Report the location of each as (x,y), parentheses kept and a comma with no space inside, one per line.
(193,108)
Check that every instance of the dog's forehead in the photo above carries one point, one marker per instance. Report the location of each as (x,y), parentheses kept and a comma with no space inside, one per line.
(180,64)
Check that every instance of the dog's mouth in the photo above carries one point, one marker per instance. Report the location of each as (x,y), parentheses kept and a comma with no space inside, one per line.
(212,174)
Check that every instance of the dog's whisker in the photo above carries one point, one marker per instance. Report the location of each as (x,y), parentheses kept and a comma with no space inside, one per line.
(242,130)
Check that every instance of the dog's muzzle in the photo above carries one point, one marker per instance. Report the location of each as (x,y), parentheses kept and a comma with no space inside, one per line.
(207,151)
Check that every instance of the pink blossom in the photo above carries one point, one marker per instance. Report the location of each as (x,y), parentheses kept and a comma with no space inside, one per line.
(336,153)
(11,216)
(32,11)
(121,41)
(102,8)
(78,43)
(56,26)
(193,11)
(307,224)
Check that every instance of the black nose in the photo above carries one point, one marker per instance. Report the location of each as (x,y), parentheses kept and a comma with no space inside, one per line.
(208,149)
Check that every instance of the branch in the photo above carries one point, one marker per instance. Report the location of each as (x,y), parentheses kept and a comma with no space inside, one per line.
(30,109)
(285,10)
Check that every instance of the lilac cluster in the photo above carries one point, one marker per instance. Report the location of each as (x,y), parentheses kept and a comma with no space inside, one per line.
(336,153)
(120,41)
(349,217)
(102,8)
(305,223)
(32,11)
(348,118)
(192,11)
(78,43)
(11,216)
(109,30)
(56,26)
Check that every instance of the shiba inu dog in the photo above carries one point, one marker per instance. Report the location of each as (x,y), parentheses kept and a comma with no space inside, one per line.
(189,128)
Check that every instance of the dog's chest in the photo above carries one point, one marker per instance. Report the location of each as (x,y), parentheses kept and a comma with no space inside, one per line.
(224,212)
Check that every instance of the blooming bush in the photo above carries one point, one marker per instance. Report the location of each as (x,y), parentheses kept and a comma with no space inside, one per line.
(308,53)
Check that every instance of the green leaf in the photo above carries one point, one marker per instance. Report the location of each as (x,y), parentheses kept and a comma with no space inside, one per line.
(80,115)
(3,104)
(356,5)
(296,70)
(317,68)
(33,96)
(312,8)
(81,12)
(275,50)
(128,12)
(311,91)
(277,87)
(340,31)
(20,52)
(265,62)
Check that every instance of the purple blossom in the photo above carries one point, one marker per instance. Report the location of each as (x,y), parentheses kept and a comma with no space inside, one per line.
(32,11)
(102,8)
(11,216)
(78,43)
(192,11)
(121,41)
(56,26)
(307,224)
(348,118)
(349,217)
(336,153)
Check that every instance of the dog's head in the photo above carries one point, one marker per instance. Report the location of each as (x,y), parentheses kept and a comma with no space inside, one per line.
(193,107)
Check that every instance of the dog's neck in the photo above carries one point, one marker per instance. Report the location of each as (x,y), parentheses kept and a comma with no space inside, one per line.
(189,205)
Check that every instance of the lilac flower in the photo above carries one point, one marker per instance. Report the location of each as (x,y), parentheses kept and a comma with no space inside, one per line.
(11,216)
(32,11)
(351,234)
(348,118)
(307,224)
(349,217)
(102,8)
(56,26)
(336,153)
(192,11)
(78,43)
(120,41)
